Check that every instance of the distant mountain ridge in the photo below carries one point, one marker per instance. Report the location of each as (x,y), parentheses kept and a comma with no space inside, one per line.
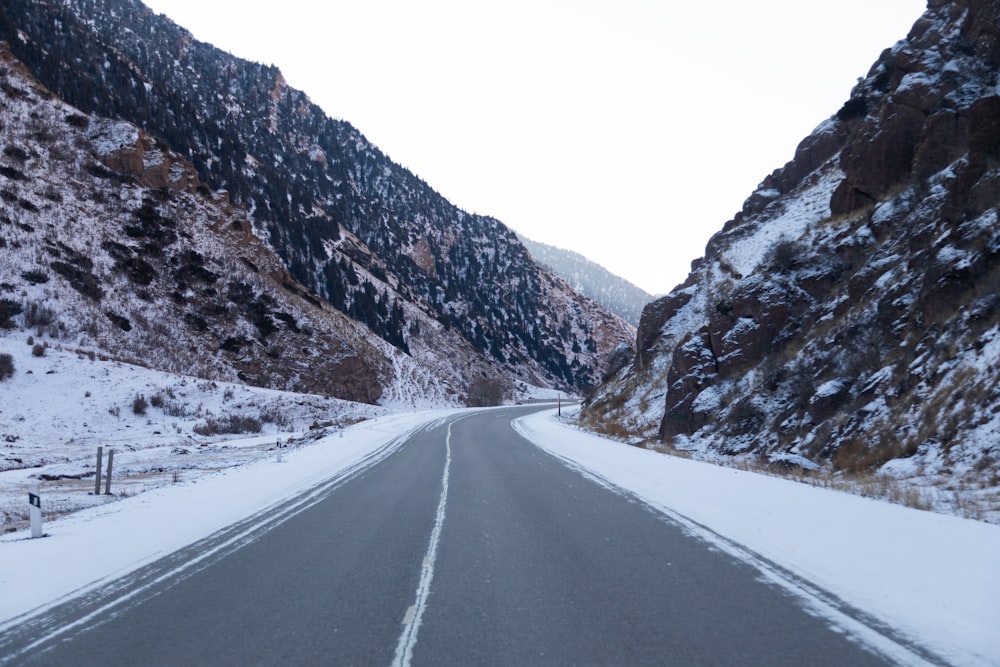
(359,231)
(591,279)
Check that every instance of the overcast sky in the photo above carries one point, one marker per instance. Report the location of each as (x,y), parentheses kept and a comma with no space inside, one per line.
(629,131)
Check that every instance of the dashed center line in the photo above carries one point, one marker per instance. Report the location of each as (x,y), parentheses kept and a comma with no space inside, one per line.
(411,620)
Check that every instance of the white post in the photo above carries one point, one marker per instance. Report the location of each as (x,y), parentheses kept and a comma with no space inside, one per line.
(35,499)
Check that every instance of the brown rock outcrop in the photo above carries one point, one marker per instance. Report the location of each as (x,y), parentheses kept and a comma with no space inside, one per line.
(151,165)
(654,315)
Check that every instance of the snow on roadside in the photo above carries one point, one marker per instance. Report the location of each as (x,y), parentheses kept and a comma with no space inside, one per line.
(933,578)
(97,544)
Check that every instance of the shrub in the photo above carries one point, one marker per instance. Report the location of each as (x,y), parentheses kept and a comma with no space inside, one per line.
(174,408)
(6,366)
(745,417)
(139,404)
(38,350)
(274,415)
(38,316)
(12,173)
(16,153)
(80,277)
(484,393)
(28,206)
(229,424)
(856,107)
(785,256)
(77,121)
(8,310)
(35,277)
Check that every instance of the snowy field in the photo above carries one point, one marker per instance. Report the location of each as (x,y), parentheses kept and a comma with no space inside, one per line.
(58,408)
(933,578)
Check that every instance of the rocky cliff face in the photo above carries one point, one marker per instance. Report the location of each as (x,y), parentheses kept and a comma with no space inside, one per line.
(849,315)
(363,233)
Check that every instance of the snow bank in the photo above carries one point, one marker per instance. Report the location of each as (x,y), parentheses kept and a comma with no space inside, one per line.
(933,578)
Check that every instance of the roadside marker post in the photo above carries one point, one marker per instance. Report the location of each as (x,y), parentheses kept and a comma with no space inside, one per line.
(35,500)
(97,481)
(107,484)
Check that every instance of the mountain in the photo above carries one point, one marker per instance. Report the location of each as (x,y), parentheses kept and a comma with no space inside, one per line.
(849,316)
(591,279)
(351,227)
(111,245)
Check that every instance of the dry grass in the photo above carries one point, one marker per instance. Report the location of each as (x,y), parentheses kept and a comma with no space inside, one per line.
(861,453)
(612,427)
(852,470)
(865,484)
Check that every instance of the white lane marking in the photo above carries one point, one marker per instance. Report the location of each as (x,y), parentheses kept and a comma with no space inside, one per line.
(411,621)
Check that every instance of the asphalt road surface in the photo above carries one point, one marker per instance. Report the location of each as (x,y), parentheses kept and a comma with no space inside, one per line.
(466,545)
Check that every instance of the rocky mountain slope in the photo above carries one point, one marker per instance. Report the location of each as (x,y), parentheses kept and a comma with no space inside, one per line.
(849,316)
(364,234)
(591,279)
(110,244)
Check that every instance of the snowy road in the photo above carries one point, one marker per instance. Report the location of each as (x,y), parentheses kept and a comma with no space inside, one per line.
(463,544)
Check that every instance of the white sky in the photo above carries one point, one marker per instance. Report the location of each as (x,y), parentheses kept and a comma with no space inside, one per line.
(628,131)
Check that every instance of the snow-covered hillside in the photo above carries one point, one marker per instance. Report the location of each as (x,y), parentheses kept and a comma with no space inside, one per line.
(110,243)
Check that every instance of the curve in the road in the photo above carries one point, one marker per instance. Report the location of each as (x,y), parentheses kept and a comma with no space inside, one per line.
(488,548)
